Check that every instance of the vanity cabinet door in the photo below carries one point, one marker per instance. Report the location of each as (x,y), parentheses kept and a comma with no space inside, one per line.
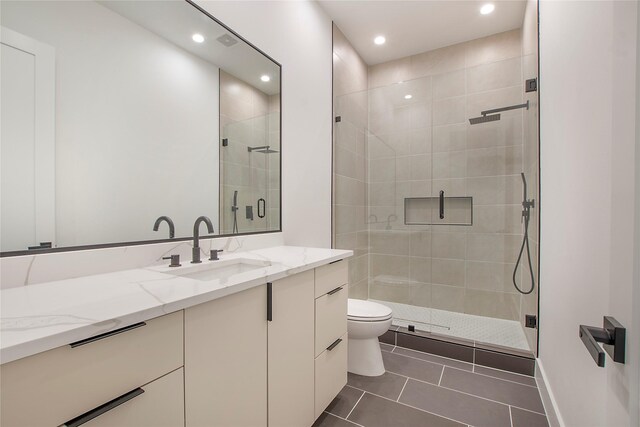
(50,388)
(291,352)
(226,361)
(158,404)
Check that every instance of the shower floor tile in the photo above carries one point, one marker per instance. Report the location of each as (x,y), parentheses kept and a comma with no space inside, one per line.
(473,396)
(507,333)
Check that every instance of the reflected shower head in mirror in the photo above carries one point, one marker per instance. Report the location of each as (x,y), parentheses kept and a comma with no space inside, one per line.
(266,149)
(484,119)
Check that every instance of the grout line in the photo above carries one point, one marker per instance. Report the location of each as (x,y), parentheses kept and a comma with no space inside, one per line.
(479,397)
(529,410)
(354,406)
(496,378)
(344,419)
(509,372)
(405,384)
(434,355)
(510,416)
(441,375)
(405,404)
(421,360)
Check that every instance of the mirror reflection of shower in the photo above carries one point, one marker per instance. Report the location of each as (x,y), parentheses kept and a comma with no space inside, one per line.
(266,149)
(234,210)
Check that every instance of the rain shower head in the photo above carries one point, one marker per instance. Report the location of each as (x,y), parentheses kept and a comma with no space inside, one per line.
(484,119)
(266,149)
(491,116)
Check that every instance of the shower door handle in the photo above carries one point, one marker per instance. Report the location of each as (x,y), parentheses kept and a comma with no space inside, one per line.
(441,204)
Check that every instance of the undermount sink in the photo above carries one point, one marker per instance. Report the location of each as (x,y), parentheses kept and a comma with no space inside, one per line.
(219,270)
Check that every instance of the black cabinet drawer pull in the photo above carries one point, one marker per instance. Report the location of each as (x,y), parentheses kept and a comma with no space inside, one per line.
(333,262)
(96,412)
(107,334)
(335,291)
(334,344)
(269,301)
(441,203)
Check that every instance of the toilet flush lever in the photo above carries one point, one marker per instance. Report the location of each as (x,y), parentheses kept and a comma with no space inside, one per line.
(612,335)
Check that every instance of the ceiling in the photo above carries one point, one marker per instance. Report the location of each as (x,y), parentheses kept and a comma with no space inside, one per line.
(412,27)
(177,21)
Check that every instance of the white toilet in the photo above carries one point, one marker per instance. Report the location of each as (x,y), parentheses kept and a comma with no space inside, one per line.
(366,322)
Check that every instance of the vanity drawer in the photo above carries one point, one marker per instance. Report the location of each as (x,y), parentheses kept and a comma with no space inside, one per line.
(331,317)
(331,276)
(55,386)
(161,404)
(331,374)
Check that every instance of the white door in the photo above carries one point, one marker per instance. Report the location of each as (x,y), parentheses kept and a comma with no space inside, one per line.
(590,205)
(27,142)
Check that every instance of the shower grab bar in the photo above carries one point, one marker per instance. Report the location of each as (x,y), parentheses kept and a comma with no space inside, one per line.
(612,335)
(441,204)
(511,107)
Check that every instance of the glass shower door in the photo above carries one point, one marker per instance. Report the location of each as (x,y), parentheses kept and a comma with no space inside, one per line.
(399,172)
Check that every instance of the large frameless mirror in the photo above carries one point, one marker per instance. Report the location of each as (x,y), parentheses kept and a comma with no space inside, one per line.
(118,113)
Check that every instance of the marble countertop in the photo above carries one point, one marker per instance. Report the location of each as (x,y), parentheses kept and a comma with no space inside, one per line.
(41,317)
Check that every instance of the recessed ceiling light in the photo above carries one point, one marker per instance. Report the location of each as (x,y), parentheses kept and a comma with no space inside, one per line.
(487,9)
(198,38)
(265,78)
(379,40)
(408,96)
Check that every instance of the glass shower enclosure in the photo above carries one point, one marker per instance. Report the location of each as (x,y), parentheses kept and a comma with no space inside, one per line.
(432,205)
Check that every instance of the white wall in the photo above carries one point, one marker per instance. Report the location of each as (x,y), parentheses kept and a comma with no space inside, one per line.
(130,108)
(297,34)
(587,91)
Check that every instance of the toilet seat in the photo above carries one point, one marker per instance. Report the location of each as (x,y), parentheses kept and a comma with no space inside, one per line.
(367,311)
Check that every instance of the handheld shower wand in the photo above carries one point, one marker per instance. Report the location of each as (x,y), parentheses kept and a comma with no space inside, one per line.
(234,209)
(527,204)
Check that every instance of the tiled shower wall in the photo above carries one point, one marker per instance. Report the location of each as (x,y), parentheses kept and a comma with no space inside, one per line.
(425,144)
(388,147)
(349,160)
(248,117)
(428,137)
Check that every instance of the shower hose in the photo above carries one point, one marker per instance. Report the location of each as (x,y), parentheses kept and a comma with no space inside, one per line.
(525,241)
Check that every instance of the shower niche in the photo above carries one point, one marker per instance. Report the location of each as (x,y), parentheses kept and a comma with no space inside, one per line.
(438,210)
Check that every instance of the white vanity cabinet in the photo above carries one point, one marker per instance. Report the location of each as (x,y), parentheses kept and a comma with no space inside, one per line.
(291,352)
(226,361)
(259,357)
(59,385)
(157,404)
(273,355)
(330,332)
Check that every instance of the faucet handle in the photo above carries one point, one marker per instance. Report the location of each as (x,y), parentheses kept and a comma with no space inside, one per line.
(175,260)
(213,255)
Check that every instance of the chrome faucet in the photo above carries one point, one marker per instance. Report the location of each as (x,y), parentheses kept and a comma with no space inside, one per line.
(195,252)
(172,228)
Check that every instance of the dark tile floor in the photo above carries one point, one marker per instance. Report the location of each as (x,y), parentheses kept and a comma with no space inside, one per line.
(421,389)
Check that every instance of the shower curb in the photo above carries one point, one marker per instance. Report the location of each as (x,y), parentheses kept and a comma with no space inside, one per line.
(483,354)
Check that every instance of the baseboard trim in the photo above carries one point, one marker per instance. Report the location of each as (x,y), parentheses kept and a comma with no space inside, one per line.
(554,416)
